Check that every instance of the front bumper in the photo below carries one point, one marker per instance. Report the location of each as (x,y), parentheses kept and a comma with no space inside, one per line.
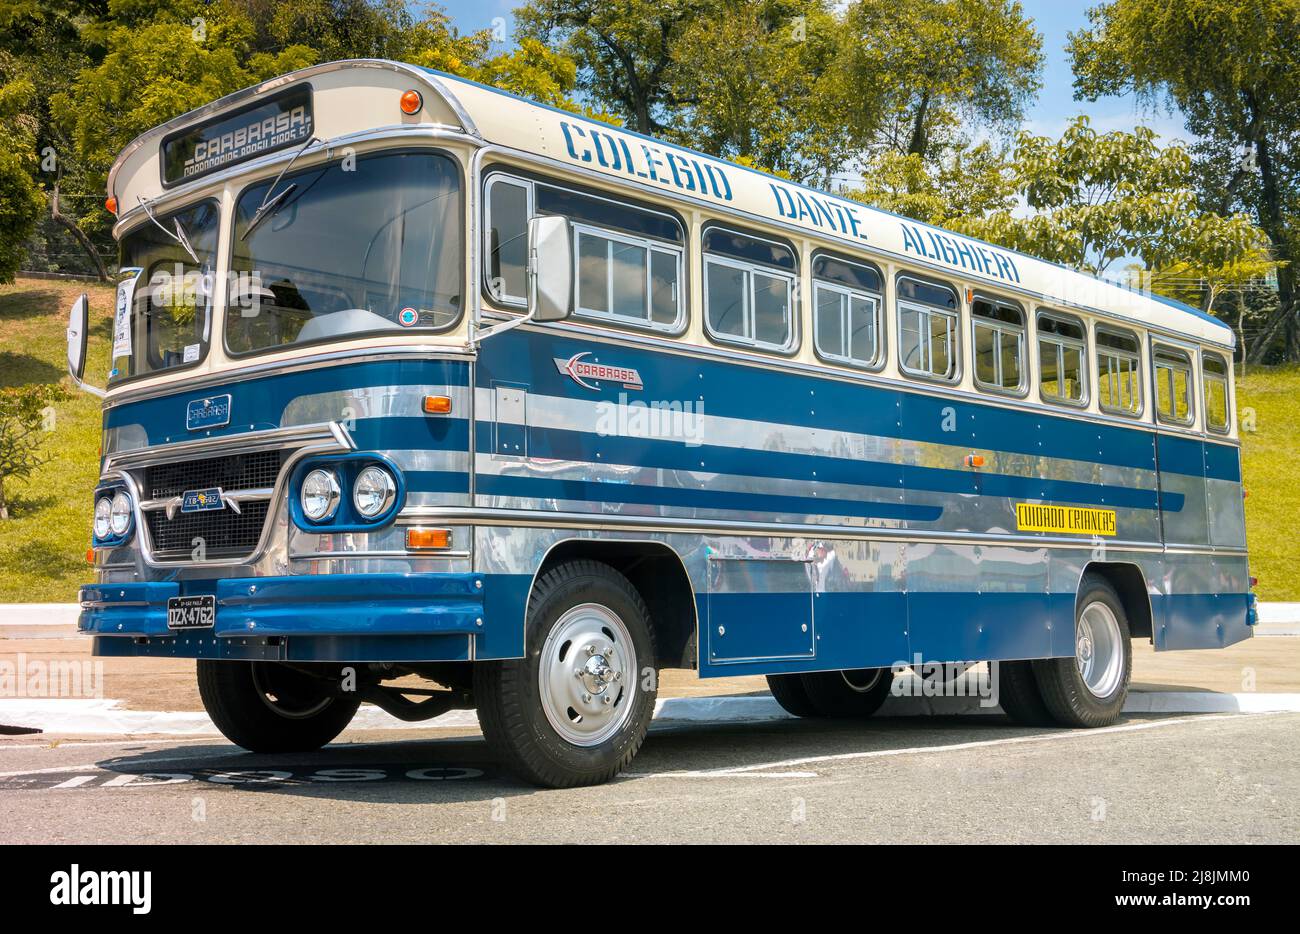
(306,618)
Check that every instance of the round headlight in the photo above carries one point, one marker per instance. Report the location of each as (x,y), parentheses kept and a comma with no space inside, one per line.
(103,511)
(320,495)
(119,518)
(374,491)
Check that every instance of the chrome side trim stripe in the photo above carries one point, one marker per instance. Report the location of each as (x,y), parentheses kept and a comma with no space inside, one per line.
(596,522)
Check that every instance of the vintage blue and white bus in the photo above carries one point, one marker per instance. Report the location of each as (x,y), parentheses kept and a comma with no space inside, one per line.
(412,377)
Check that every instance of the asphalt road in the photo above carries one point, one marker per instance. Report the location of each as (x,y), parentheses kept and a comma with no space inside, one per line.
(1173,779)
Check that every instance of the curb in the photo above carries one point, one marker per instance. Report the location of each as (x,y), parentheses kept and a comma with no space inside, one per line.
(105,717)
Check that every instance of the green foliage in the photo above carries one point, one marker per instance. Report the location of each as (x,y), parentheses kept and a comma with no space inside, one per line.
(26,415)
(969,181)
(1230,68)
(20,200)
(1098,197)
(929,68)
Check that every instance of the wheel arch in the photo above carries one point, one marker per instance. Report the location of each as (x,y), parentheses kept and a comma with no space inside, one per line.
(659,575)
(1131,585)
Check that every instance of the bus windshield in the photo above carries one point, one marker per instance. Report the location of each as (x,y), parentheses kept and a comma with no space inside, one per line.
(164,313)
(356,246)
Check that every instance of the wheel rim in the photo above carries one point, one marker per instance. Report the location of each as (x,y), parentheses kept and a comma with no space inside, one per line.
(1098,650)
(288,693)
(587,675)
(862,680)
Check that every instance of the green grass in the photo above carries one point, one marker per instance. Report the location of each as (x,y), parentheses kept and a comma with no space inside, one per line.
(43,547)
(1271,396)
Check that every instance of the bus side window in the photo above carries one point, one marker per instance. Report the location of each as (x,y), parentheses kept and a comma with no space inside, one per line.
(846,311)
(509,205)
(998,330)
(1214,369)
(1062,349)
(1119,371)
(1173,385)
(749,290)
(927,329)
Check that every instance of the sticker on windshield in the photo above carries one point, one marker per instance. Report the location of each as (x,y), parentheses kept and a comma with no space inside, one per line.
(122,313)
(408,317)
(191,353)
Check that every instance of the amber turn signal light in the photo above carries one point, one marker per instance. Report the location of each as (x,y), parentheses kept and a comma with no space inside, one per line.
(110,205)
(974,460)
(437,405)
(428,539)
(412,102)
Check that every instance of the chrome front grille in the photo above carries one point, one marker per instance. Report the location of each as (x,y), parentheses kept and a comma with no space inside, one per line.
(246,480)
(223,532)
(249,471)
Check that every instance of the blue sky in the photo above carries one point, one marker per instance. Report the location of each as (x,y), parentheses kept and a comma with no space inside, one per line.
(1048,116)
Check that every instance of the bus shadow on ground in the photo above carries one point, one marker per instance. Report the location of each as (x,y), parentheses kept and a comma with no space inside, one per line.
(463,769)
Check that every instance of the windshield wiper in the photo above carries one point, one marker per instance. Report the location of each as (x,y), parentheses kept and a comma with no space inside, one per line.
(179,235)
(271,202)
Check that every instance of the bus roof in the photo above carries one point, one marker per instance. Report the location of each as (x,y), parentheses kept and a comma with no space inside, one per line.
(653,165)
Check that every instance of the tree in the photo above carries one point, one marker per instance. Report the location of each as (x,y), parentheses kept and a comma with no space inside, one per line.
(624,50)
(929,68)
(1230,67)
(966,182)
(759,80)
(24,412)
(20,199)
(1098,197)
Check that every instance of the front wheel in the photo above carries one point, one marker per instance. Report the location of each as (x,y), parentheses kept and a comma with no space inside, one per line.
(575,709)
(268,707)
(1089,689)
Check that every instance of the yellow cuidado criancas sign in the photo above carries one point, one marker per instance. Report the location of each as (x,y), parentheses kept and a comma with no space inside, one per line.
(1071,520)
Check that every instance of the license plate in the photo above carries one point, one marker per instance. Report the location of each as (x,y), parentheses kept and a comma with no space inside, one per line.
(202,500)
(191,612)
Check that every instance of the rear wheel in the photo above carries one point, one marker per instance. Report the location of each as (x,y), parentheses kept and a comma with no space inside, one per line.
(576,708)
(854,693)
(1019,696)
(268,707)
(1089,689)
(791,695)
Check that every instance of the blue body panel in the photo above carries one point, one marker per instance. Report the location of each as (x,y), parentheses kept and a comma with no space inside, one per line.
(878,466)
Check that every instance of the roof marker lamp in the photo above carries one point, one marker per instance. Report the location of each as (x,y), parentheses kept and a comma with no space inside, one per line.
(320,495)
(373,492)
(411,102)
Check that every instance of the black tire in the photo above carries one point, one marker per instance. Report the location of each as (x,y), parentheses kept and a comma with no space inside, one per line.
(300,714)
(1064,690)
(508,693)
(848,694)
(791,695)
(1019,696)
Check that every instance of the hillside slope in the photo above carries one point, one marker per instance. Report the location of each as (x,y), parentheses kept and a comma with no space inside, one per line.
(42,549)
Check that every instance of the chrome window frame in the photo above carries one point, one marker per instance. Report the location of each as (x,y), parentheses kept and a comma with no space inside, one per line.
(493,179)
(1000,328)
(877,362)
(403,147)
(1085,384)
(1157,348)
(523,178)
(955,352)
(1226,380)
(791,279)
(1134,357)
(650,246)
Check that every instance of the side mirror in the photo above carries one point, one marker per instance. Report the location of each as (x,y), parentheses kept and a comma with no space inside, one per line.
(77,341)
(550,269)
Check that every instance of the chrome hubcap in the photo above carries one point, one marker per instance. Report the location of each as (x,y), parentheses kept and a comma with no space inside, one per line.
(587,675)
(1098,650)
(862,680)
